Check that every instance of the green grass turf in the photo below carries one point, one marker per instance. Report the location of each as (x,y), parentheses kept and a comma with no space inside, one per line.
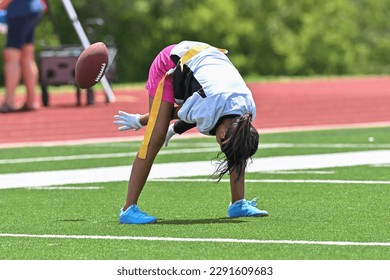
(298,211)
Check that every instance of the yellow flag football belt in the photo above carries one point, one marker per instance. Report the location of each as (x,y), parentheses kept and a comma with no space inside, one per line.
(158,97)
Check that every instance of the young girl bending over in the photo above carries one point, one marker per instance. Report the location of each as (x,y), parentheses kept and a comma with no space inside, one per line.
(198,85)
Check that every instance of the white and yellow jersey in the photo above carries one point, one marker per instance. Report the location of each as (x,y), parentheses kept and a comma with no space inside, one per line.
(209,87)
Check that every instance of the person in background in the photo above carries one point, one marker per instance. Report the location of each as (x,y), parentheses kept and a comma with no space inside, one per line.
(19,53)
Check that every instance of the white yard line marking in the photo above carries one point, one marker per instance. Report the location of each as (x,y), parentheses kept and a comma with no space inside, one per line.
(301,172)
(64,158)
(281,181)
(193,135)
(322,145)
(319,161)
(201,148)
(103,156)
(187,169)
(210,240)
(72,188)
(381,165)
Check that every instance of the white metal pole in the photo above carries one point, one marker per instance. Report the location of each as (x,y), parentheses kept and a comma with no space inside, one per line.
(85,42)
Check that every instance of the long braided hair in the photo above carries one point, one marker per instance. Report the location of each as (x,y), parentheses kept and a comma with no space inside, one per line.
(239,144)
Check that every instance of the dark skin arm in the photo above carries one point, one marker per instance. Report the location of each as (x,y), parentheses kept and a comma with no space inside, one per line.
(180,126)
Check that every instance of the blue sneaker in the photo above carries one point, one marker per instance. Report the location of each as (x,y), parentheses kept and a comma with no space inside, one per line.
(133,215)
(245,208)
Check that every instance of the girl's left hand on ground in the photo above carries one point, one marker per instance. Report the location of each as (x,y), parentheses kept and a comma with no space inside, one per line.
(169,135)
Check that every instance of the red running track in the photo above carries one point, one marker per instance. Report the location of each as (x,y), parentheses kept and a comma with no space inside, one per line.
(305,104)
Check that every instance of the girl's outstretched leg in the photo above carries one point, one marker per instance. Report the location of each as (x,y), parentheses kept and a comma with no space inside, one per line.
(141,169)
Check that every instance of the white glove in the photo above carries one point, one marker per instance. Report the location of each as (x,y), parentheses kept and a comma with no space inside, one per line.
(128,121)
(169,135)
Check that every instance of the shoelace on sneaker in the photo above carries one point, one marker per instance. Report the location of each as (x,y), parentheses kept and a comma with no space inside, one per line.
(138,212)
(253,202)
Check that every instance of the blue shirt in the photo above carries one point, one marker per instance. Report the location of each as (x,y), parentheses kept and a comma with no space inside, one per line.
(20,8)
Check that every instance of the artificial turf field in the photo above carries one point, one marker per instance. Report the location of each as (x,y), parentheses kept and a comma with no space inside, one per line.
(312,212)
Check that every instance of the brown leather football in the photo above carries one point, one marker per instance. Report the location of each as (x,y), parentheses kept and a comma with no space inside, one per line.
(91,65)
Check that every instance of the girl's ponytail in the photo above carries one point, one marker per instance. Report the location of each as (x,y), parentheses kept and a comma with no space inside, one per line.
(239,145)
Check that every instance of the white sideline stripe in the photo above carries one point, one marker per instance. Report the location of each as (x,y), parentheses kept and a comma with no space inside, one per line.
(282,181)
(301,172)
(211,240)
(102,156)
(71,188)
(314,145)
(381,165)
(194,135)
(208,147)
(187,169)
(87,141)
